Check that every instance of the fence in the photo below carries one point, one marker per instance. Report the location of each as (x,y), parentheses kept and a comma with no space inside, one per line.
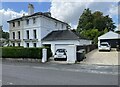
(87,48)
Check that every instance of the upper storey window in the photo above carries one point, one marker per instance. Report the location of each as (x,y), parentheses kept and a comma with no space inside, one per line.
(18,23)
(13,24)
(27,21)
(34,20)
(62,26)
(27,34)
(55,24)
(34,33)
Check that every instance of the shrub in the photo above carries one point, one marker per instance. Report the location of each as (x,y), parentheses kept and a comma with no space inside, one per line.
(21,52)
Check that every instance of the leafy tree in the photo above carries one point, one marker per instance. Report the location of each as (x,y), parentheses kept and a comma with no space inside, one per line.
(118,32)
(85,21)
(4,34)
(90,34)
(92,25)
(95,20)
(105,30)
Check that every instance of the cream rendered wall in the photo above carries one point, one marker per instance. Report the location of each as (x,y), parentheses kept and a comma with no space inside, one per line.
(43,26)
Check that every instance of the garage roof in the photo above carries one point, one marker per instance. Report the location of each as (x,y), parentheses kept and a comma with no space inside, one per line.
(110,35)
(62,35)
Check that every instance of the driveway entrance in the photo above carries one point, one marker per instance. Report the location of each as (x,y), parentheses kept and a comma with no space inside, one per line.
(103,58)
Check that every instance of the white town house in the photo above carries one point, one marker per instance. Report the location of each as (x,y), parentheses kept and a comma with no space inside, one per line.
(38,29)
(28,30)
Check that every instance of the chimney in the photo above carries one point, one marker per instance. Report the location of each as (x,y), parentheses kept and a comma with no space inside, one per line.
(30,9)
(47,14)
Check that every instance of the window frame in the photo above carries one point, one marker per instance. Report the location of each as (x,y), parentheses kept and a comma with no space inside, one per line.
(18,34)
(13,24)
(34,20)
(13,44)
(27,45)
(13,35)
(18,23)
(35,44)
(18,44)
(27,34)
(35,34)
(27,21)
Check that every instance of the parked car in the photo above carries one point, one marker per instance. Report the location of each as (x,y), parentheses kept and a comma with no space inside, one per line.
(105,46)
(60,54)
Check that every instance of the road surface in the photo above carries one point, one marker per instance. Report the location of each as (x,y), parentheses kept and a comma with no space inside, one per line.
(22,73)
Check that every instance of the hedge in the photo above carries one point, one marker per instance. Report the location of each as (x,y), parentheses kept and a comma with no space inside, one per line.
(21,52)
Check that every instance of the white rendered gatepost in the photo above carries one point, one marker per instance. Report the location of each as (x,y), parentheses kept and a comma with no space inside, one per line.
(71,54)
(44,55)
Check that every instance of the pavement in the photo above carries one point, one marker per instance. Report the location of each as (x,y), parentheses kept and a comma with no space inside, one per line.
(37,73)
(102,58)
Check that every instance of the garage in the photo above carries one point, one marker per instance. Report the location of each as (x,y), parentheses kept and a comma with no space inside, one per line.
(62,46)
(111,37)
(63,38)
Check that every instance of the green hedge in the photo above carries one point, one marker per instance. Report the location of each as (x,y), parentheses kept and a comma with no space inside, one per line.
(21,52)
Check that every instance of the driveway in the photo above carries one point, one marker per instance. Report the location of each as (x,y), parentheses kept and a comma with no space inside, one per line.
(102,58)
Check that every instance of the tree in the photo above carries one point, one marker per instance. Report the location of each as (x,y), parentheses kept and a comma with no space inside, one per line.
(95,20)
(4,34)
(92,25)
(118,32)
(85,21)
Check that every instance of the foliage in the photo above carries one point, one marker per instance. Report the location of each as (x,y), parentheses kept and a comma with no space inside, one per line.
(92,25)
(92,34)
(96,20)
(118,32)
(21,52)
(4,35)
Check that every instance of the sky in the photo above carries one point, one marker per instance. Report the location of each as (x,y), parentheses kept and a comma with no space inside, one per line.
(65,11)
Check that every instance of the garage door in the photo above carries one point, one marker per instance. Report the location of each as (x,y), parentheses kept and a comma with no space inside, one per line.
(59,46)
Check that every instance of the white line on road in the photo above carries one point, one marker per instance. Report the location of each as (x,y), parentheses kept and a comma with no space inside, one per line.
(10,83)
(77,70)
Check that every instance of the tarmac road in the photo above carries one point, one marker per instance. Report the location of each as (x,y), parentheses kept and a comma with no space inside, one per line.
(22,73)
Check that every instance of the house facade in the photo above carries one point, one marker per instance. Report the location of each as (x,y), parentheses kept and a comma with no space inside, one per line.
(28,30)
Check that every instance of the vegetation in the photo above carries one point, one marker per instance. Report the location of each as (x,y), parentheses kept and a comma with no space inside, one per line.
(21,52)
(4,35)
(92,25)
(118,32)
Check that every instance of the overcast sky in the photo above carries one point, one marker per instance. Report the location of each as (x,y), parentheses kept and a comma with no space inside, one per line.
(65,11)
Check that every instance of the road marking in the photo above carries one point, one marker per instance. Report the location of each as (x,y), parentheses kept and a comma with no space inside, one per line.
(10,83)
(78,70)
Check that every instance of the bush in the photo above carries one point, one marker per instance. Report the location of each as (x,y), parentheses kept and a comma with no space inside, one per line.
(21,52)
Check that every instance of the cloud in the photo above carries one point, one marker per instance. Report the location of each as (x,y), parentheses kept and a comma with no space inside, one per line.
(113,10)
(8,15)
(71,11)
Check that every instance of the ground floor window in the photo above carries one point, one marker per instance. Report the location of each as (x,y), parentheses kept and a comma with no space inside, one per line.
(34,44)
(27,44)
(13,44)
(19,44)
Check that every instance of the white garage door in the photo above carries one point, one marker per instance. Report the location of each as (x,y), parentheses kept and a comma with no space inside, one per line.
(59,46)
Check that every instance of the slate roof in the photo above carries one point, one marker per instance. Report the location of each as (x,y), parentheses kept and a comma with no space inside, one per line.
(35,14)
(62,35)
